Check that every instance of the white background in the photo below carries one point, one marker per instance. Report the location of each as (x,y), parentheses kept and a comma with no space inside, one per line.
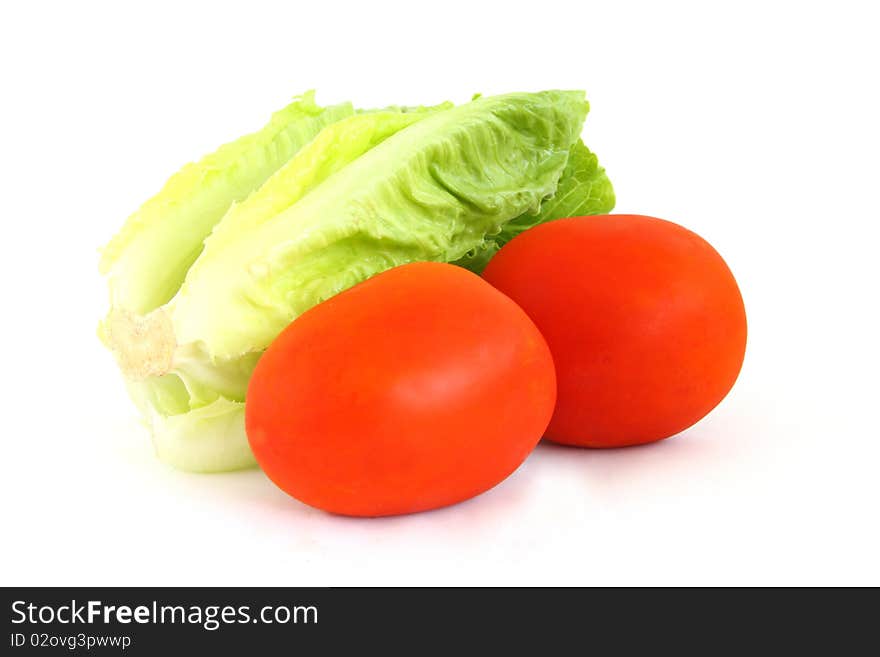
(755,125)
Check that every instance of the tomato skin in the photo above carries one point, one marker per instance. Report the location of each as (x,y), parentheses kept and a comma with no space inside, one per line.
(421,387)
(644,319)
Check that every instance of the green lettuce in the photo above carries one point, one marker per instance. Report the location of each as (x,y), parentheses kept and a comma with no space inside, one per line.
(369,192)
(583,189)
(147,260)
(196,413)
(431,192)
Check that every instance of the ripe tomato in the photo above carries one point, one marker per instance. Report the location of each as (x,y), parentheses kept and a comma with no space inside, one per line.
(644,319)
(420,387)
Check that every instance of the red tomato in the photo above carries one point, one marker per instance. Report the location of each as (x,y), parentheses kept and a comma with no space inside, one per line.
(644,319)
(418,388)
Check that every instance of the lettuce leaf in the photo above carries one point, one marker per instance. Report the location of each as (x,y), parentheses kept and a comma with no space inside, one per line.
(209,438)
(327,153)
(583,189)
(147,260)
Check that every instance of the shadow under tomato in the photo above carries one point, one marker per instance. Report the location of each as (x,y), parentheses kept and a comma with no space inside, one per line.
(694,454)
(597,473)
(252,492)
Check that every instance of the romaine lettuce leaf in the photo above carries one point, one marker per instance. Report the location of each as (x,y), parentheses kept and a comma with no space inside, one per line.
(583,189)
(327,153)
(209,438)
(147,260)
